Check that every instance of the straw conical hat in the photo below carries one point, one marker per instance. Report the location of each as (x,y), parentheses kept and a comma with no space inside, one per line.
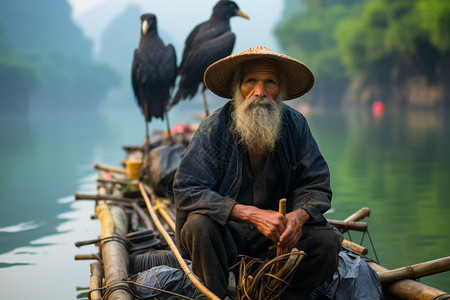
(218,77)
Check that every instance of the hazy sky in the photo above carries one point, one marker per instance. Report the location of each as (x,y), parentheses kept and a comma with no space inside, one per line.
(81,6)
(178,17)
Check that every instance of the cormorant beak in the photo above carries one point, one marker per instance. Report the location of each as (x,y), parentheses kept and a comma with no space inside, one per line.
(240,13)
(145,26)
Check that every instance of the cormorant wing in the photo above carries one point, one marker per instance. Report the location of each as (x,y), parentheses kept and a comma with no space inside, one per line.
(134,68)
(193,38)
(167,68)
(197,60)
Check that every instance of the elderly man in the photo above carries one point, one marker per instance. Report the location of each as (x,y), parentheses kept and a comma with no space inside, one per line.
(242,160)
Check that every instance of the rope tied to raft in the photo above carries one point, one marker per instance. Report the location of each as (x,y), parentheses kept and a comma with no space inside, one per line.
(262,279)
(118,285)
(116,238)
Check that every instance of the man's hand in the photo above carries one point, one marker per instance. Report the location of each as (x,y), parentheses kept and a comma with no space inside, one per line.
(270,223)
(283,230)
(295,221)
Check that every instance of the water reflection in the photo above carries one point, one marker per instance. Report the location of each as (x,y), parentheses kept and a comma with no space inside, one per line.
(399,167)
(396,164)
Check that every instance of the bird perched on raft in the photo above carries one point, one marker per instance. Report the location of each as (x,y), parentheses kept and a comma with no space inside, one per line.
(207,43)
(153,71)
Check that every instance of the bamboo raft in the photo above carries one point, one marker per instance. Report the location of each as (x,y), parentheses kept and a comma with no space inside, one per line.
(118,208)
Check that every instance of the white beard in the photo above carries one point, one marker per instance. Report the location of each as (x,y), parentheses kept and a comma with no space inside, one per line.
(257,121)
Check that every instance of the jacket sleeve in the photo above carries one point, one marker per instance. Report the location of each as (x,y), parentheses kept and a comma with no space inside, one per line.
(196,183)
(312,191)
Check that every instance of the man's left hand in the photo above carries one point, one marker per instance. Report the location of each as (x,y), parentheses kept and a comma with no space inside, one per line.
(295,221)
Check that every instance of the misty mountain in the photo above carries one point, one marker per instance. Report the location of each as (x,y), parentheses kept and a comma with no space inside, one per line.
(43,25)
(45,60)
(121,37)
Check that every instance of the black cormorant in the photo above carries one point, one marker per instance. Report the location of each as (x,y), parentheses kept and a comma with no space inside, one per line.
(153,71)
(207,43)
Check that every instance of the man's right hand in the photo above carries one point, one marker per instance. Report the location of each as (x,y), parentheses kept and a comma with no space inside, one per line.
(270,223)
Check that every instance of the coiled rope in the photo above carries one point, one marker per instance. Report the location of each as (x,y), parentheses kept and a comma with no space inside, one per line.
(270,278)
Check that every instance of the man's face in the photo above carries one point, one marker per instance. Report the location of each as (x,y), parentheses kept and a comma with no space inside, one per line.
(260,80)
(258,106)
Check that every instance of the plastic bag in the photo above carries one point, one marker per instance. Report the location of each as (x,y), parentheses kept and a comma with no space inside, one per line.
(164,278)
(164,161)
(354,279)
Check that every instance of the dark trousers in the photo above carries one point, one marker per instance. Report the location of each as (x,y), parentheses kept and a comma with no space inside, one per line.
(214,248)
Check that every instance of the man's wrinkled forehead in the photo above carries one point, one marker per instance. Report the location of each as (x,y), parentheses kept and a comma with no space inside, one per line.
(261,66)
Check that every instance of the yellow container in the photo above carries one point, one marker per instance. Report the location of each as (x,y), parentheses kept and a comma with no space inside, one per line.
(132,169)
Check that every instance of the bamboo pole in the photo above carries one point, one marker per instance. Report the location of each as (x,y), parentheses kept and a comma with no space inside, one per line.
(144,216)
(174,249)
(356,247)
(115,181)
(132,148)
(205,103)
(102,197)
(410,289)
(359,215)
(91,256)
(95,283)
(161,207)
(348,225)
(163,211)
(416,271)
(106,168)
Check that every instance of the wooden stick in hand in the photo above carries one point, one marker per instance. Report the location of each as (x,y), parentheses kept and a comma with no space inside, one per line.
(281,209)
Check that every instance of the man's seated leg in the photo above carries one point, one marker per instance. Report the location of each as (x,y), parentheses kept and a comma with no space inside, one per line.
(321,245)
(211,247)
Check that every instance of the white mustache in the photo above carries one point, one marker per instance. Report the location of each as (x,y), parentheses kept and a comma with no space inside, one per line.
(261,102)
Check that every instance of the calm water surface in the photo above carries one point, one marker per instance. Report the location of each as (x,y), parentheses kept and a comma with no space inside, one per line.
(397,165)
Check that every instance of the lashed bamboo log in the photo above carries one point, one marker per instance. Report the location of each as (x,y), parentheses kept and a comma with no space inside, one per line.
(174,248)
(410,289)
(416,271)
(115,255)
(95,283)
(108,168)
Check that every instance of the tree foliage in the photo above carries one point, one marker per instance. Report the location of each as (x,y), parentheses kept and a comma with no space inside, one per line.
(309,34)
(392,29)
(339,38)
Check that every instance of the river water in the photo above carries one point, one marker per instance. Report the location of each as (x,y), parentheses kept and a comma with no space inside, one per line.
(397,165)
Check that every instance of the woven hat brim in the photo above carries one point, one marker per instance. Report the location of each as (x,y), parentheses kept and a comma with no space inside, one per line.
(218,77)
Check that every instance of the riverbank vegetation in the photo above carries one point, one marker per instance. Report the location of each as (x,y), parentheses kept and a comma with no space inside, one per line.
(393,51)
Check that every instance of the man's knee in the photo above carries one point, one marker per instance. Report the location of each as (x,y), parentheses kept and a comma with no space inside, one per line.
(198,227)
(321,241)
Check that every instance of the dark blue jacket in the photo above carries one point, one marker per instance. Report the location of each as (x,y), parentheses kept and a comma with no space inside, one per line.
(210,174)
